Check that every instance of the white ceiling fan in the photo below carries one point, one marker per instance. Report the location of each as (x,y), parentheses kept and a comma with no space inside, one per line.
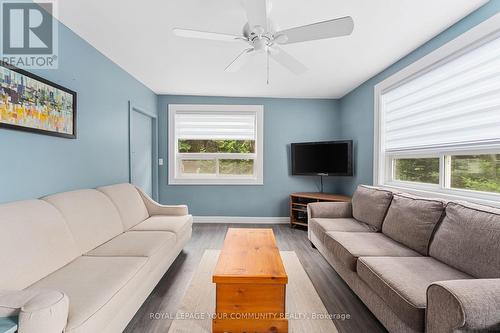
(261,35)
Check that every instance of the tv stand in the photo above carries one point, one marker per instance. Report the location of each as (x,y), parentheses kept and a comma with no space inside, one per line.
(299,201)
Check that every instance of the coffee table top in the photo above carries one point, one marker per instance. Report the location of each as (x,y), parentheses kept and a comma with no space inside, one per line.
(250,256)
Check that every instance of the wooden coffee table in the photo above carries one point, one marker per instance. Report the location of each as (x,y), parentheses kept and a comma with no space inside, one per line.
(250,284)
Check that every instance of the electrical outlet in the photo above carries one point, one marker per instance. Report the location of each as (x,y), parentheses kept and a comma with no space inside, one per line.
(160,161)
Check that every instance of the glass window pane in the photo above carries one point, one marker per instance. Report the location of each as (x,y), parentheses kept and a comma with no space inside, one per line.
(198,166)
(476,172)
(420,170)
(217,146)
(236,167)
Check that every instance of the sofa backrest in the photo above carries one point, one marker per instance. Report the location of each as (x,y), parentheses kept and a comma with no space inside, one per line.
(370,204)
(34,242)
(411,220)
(468,239)
(129,203)
(91,216)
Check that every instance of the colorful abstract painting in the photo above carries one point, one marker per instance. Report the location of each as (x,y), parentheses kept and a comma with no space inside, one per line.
(30,103)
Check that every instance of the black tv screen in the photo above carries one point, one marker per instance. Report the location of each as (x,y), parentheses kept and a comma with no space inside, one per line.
(332,158)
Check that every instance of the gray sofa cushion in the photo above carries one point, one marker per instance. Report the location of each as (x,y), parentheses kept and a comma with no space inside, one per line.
(468,239)
(402,283)
(319,226)
(370,204)
(349,246)
(411,221)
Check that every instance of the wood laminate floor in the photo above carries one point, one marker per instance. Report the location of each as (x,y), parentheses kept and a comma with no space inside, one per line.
(335,294)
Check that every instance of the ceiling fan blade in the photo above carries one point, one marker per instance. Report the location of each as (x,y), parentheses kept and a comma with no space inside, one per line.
(287,61)
(240,60)
(332,28)
(256,13)
(206,35)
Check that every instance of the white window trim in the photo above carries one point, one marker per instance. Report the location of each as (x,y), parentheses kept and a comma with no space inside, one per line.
(478,34)
(256,179)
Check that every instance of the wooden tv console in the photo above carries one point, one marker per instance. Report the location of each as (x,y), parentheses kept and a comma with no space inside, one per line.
(299,201)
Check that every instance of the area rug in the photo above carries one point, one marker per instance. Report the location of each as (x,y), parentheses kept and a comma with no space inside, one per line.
(306,312)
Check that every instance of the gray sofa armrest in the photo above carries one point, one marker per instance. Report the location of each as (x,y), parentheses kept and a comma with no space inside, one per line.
(155,208)
(38,310)
(465,305)
(329,210)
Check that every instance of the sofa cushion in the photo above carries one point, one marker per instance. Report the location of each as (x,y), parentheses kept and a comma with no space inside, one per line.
(91,217)
(412,220)
(34,242)
(175,224)
(135,243)
(370,204)
(349,246)
(129,203)
(322,225)
(331,210)
(468,239)
(402,283)
(91,282)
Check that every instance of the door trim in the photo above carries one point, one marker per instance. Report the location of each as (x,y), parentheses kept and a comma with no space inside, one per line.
(154,121)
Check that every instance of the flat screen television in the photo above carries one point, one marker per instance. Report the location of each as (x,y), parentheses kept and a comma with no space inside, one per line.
(331,158)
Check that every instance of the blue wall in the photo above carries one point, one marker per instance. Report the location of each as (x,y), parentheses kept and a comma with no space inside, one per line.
(285,121)
(356,116)
(32,165)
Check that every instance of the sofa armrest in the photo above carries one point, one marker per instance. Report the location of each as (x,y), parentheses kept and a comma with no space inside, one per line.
(463,305)
(38,310)
(155,208)
(329,209)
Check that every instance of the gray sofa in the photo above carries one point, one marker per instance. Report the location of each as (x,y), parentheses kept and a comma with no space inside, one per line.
(418,264)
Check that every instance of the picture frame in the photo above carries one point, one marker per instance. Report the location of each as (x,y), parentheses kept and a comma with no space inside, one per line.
(33,104)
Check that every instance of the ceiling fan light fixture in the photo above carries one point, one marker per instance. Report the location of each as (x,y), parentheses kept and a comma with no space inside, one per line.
(263,36)
(258,30)
(260,44)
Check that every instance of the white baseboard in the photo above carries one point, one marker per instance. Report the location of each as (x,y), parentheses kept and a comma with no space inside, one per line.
(241,219)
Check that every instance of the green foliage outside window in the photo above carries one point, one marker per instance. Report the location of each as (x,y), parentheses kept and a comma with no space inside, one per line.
(476,172)
(468,172)
(217,146)
(226,166)
(421,170)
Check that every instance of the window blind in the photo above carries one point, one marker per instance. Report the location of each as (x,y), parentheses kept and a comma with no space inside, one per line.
(215,126)
(454,103)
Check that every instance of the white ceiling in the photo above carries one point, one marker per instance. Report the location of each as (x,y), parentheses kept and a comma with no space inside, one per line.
(137,35)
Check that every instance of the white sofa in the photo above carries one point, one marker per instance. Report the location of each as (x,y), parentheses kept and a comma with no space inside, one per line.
(85,261)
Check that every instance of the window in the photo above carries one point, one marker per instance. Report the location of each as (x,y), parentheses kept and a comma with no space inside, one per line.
(475,172)
(216,144)
(437,122)
(419,170)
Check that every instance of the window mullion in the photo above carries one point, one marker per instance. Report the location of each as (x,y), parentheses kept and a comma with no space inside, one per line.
(447,171)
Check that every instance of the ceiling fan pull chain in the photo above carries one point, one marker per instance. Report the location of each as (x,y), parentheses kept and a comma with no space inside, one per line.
(267,53)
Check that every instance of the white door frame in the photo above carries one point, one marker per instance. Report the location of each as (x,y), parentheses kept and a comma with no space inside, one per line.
(154,121)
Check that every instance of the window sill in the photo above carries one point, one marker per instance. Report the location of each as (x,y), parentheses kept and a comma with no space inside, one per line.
(486,199)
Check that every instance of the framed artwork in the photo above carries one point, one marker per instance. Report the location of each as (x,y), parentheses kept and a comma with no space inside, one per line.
(33,104)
